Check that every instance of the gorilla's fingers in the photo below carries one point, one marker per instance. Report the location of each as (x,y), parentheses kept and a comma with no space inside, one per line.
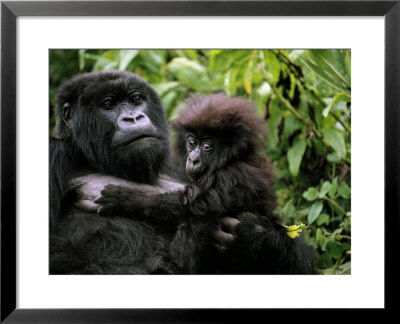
(230,223)
(223,238)
(99,200)
(220,248)
(248,218)
(87,206)
(249,223)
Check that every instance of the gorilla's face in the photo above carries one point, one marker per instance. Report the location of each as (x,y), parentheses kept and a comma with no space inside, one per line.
(117,121)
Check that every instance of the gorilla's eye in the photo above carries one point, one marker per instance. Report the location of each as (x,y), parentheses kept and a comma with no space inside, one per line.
(192,143)
(107,104)
(207,147)
(137,98)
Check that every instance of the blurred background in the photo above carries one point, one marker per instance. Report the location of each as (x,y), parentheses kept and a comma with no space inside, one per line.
(304,97)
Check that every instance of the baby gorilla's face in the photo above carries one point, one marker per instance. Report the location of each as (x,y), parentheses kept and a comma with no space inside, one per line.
(199,155)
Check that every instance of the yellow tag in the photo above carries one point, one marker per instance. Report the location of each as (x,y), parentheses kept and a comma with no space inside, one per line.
(294,230)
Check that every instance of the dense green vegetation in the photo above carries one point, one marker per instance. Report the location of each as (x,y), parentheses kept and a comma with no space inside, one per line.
(304,97)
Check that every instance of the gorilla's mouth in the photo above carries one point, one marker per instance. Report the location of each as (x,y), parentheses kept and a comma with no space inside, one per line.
(195,173)
(125,141)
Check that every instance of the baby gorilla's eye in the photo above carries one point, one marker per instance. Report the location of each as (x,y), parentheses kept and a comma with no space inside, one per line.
(137,98)
(192,143)
(207,147)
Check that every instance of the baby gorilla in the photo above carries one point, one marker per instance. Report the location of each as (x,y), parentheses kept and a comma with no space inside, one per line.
(219,142)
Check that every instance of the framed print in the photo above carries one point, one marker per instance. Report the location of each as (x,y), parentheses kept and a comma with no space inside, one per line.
(356,41)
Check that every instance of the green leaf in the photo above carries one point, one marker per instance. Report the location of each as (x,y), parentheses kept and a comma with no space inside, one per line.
(311,194)
(331,61)
(320,147)
(339,97)
(81,58)
(335,249)
(248,75)
(333,157)
(295,155)
(323,219)
(192,54)
(328,66)
(291,124)
(168,101)
(335,139)
(190,73)
(295,54)
(177,109)
(322,75)
(230,81)
(319,236)
(315,211)
(125,57)
(334,188)
(164,87)
(347,62)
(326,186)
(344,190)
(273,123)
(224,60)
(103,63)
(156,57)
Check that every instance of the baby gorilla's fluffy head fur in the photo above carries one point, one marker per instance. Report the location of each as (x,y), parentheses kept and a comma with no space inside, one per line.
(233,121)
(236,175)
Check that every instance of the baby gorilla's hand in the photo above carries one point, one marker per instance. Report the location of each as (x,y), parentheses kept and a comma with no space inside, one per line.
(118,201)
(240,231)
(110,200)
(225,235)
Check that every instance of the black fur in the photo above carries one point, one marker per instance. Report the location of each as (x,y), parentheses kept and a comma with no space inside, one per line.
(86,129)
(219,142)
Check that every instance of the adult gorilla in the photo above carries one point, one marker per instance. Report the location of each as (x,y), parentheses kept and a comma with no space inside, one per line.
(111,129)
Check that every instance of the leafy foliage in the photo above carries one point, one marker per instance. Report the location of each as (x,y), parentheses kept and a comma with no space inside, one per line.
(304,97)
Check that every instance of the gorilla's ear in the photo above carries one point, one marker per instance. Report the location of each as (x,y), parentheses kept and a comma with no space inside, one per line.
(66,112)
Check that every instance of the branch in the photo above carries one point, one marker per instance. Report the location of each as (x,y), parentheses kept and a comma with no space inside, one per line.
(334,203)
(295,69)
(293,110)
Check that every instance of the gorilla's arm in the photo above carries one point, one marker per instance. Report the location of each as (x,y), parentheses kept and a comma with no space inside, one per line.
(161,208)
(61,157)
(261,247)
(92,187)
(247,244)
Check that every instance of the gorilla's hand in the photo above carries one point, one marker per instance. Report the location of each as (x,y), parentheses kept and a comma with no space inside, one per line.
(249,226)
(115,199)
(87,188)
(225,235)
(236,230)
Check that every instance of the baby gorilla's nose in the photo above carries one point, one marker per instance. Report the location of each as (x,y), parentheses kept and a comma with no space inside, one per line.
(194,160)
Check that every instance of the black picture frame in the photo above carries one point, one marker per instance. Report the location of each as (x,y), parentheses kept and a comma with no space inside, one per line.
(10,10)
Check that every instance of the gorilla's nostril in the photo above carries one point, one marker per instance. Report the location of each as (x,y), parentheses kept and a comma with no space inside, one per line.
(194,161)
(139,117)
(128,120)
